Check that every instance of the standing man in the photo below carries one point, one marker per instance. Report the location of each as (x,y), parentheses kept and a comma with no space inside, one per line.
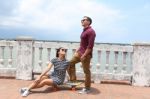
(84,54)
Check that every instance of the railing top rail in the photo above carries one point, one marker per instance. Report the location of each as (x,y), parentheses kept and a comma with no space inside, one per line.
(7,43)
(73,45)
(122,44)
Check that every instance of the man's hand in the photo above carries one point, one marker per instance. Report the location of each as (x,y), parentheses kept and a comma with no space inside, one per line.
(82,58)
(87,52)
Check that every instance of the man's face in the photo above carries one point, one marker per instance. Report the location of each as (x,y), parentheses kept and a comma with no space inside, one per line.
(85,22)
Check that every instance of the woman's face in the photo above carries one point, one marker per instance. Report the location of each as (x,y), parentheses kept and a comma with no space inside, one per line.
(63,51)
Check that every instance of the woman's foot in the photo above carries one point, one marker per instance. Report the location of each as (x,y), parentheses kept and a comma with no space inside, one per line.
(22,90)
(25,93)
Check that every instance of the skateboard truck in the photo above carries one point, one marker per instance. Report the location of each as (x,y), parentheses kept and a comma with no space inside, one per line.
(73,88)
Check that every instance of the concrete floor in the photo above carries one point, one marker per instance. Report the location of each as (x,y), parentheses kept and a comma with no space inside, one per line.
(9,89)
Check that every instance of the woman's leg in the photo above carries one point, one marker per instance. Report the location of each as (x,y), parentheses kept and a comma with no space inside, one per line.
(44,80)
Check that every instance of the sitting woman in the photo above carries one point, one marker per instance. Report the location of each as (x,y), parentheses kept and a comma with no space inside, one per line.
(55,78)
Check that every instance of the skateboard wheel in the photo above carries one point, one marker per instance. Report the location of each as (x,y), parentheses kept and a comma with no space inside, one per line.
(73,89)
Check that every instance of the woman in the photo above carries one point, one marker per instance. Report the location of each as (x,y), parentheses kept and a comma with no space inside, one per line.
(56,78)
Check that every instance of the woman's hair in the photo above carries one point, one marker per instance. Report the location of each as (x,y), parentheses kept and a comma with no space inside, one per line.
(57,51)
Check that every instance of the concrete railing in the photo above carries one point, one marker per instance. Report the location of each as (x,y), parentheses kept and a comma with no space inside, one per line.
(7,58)
(23,57)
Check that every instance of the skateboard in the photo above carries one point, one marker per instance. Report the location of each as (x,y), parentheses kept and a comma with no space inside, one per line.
(73,86)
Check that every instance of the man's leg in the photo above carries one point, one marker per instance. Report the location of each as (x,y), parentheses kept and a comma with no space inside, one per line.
(87,72)
(71,69)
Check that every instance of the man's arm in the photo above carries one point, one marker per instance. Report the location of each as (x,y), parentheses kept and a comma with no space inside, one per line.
(87,52)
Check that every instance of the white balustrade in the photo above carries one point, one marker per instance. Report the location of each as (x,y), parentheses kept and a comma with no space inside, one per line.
(110,58)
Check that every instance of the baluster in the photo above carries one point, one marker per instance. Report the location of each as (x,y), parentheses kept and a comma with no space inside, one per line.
(99,58)
(107,61)
(91,64)
(48,55)
(10,59)
(97,75)
(40,57)
(73,51)
(97,78)
(66,53)
(124,62)
(107,57)
(2,57)
(131,57)
(124,58)
(116,62)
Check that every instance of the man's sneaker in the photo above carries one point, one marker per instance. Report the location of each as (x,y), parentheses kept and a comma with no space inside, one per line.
(26,93)
(85,91)
(22,90)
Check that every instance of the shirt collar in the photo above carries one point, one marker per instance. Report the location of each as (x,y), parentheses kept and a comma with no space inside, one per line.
(86,28)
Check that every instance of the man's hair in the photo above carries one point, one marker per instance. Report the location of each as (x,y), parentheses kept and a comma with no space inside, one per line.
(89,19)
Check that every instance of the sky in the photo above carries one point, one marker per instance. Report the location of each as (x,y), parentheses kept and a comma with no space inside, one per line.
(114,21)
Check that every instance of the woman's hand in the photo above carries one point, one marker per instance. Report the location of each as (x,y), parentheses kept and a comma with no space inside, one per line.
(38,79)
(43,73)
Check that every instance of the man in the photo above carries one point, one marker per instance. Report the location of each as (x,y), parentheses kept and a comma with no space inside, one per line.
(84,54)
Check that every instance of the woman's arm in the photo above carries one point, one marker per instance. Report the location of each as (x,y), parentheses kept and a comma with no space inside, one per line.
(44,72)
(47,69)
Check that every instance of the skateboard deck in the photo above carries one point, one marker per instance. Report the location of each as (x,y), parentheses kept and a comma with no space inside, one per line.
(72,85)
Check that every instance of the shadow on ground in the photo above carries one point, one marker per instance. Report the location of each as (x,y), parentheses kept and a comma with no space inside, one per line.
(94,91)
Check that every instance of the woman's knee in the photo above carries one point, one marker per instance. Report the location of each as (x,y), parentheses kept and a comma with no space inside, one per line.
(47,82)
(44,77)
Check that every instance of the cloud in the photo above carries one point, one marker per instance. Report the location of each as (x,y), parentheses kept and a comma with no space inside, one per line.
(7,7)
(64,15)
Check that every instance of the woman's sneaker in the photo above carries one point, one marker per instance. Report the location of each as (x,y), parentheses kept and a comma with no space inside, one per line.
(85,91)
(26,93)
(22,90)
